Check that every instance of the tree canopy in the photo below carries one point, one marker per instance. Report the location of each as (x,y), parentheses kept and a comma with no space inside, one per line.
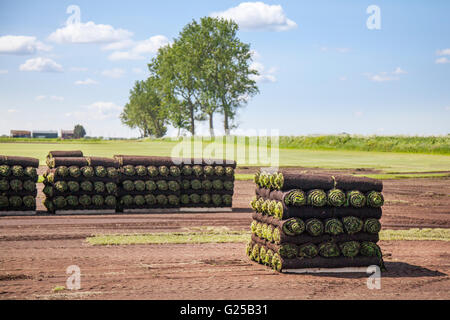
(205,71)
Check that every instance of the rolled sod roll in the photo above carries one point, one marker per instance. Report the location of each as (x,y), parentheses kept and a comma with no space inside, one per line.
(111,187)
(73,186)
(248,249)
(349,249)
(146,160)
(206,184)
(174,171)
(227,200)
(352,224)
(72,201)
(216,200)
(288,251)
(102,161)
(100,171)
(150,199)
(129,170)
(110,201)
(16,185)
(126,200)
(334,227)
(63,171)
(152,171)
(163,171)
(304,181)
(139,200)
(186,170)
(308,250)
(314,227)
(329,250)
(20,161)
(139,185)
(372,225)
(375,199)
(87,172)
(205,198)
(65,154)
(5,170)
(293,227)
(113,173)
(4,185)
(371,249)
(336,197)
(31,172)
(316,198)
(295,197)
(162,185)
(62,186)
(255,253)
(356,199)
(269,256)
(184,199)
(150,185)
(68,161)
(363,184)
(229,171)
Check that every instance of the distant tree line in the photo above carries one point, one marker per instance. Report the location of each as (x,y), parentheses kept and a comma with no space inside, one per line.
(204,72)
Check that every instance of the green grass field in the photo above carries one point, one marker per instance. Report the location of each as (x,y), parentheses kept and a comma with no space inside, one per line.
(388,162)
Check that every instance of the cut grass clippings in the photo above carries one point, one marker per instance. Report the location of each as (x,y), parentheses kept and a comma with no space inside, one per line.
(215,235)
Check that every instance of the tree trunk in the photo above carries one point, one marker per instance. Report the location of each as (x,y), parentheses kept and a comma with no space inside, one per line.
(225,121)
(211,124)
(191,115)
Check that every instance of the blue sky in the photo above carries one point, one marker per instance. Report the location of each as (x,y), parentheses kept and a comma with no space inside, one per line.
(322,69)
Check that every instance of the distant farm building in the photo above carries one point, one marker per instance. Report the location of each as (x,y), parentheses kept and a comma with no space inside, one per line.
(45,134)
(20,134)
(67,134)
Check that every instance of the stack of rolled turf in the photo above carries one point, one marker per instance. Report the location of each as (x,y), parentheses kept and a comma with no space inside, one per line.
(315,221)
(148,182)
(207,183)
(73,182)
(18,177)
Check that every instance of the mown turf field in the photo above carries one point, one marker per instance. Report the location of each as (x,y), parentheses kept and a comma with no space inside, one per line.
(389,162)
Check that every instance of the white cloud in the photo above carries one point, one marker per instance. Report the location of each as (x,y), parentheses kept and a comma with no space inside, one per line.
(54,98)
(88,81)
(12,110)
(386,76)
(119,45)
(343,78)
(358,114)
(263,76)
(21,45)
(3,71)
(114,73)
(258,16)
(399,70)
(100,110)
(442,60)
(141,49)
(443,52)
(89,32)
(41,65)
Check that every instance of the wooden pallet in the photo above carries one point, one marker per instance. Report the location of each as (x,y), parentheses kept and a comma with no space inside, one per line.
(328,270)
(17,213)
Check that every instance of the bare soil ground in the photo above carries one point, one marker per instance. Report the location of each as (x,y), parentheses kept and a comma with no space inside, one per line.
(35,252)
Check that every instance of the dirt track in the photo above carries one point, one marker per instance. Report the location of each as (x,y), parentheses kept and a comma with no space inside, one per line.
(37,250)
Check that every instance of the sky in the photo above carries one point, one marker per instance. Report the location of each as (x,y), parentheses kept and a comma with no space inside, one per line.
(326,67)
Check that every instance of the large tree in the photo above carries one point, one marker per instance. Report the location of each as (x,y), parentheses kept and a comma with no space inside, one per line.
(78,131)
(206,70)
(145,109)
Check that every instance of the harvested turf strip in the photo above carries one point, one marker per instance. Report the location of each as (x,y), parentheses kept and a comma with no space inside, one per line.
(68,161)
(146,160)
(362,184)
(21,161)
(372,225)
(65,154)
(101,161)
(305,181)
